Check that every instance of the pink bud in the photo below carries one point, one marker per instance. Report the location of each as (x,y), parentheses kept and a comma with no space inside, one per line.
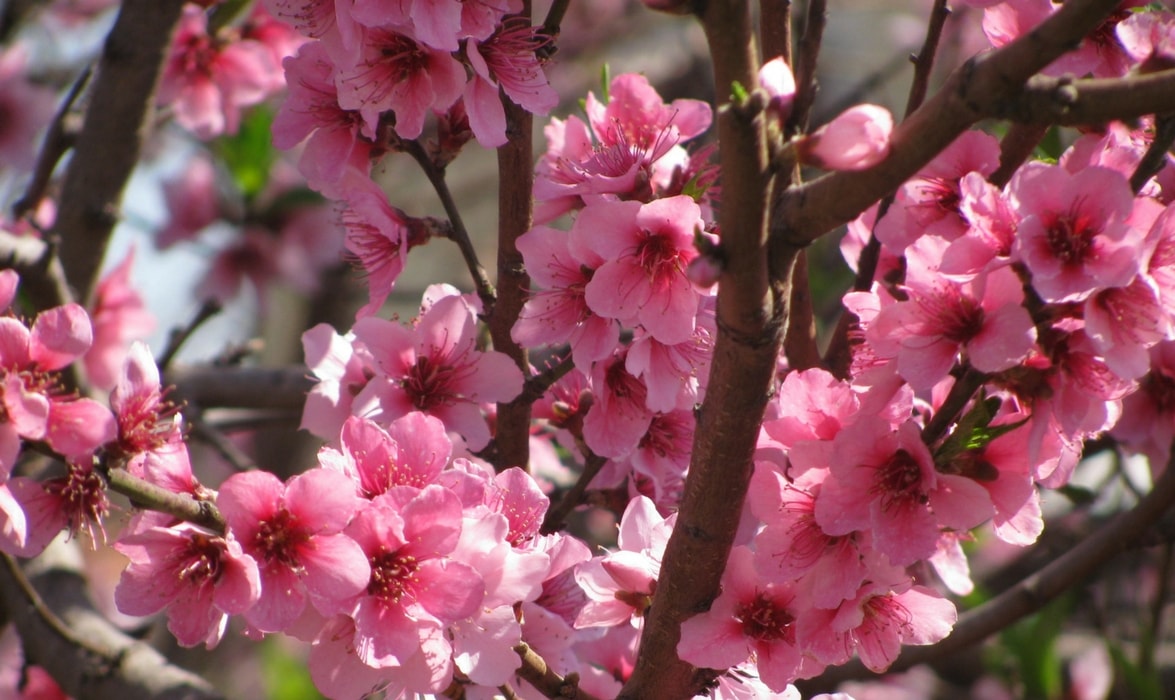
(776,79)
(857,139)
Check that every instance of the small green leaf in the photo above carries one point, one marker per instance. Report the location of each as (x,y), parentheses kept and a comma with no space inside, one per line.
(286,676)
(1142,685)
(249,154)
(738,93)
(605,81)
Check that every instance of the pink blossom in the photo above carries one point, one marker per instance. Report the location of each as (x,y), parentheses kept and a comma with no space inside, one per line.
(776,79)
(395,72)
(435,367)
(558,313)
(984,318)
(792,546)
(1124,323)
(646,249)
(1073,236)
(193,202)
(620,585)
(119,316)
(294,532)
(342,369)
(208,79)
(662,456)
(1148,415)
(252,256)
(884,482)
(1099,54)
(1149,39)
(506,59)
(411,452)
(334,137)
(929,203)
(75,502)
(415,587)
(198,578)
(856,139)
(378,238)
(749,618)
(991,229)
(619,416)
(675,375)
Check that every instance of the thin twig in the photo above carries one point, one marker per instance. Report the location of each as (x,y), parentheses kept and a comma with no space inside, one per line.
(961,392)
(178,336)
(145,494)
(552,26)
(58,139)
(48,617)
(460,234)
(1015,148)
(804,67)
(557,516)
(215,439)
(1156,154)
(534,670)
(536,386)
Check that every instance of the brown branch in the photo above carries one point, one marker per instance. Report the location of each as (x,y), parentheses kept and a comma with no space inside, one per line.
(1069,102)
(112,135)
(59,138)
(459,234)
(1015,148)
(515,209)
(575,496)
(1156,154)
(807,212)
(241,387)
(804,67)
(775,29)
(144,494)
(535,671)
(750,318)
(94,660)
(178,336)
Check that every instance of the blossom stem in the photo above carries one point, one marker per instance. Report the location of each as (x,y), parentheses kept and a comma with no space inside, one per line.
(535,671)
(806,53)
(557,516)
(1015,148)
(460,234)
(1156,154)
(147,495)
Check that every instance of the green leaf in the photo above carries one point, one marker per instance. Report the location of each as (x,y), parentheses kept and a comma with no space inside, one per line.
(286,676)
(1142,685)
(249,154)
(1031,644)
(605,81)
(738,93)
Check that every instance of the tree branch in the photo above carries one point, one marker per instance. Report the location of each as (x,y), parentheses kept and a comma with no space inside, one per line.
(807,212)
(95,660)
(750,318)
(535,671)
(112,135)
(241,387)
(515,210)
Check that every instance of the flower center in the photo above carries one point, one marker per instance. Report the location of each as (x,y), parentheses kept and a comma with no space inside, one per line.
(279,538)
(393,575)
(899,482)
(762,619)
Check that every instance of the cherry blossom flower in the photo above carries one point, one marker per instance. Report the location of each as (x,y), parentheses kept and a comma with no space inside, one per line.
(619,416)
(411,452)
(749,619)
(435,367)
(119,316)
(558,313)
(1073,236)
(294,532)
(193,202)
(415,588)
(856,139)
(620,585)
(1099,54)
(983,317)
(207,79)
(1149,39)
(646,249)
(929,203)
(884,482)
(75,502)
(334,137)
(198,578)
(342,368)
(776,79)
(396,72)
(506,59)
